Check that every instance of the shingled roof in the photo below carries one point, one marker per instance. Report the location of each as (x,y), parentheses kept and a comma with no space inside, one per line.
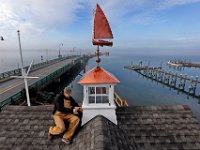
(160,127)
(166,127)
(23,127)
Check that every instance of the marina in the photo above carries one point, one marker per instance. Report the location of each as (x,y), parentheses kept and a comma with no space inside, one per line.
(170,79)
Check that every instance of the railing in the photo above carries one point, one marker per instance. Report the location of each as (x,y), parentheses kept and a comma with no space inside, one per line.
(20,94)
(33,67)
(53,75)
(119,101)
(17,96)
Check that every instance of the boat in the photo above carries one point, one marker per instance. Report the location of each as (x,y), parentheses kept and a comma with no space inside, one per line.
(174,64)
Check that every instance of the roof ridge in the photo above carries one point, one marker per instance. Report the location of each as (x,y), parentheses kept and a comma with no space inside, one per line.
(104,128)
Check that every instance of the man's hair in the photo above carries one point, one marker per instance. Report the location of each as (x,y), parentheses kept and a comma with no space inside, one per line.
(67,89)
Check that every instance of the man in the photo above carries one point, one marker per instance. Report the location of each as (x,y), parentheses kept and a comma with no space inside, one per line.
(66,109)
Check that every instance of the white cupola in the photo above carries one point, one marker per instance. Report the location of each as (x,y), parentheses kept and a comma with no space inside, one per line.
(98,87)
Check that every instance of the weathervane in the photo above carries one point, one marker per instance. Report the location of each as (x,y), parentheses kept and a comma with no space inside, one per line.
(101,32)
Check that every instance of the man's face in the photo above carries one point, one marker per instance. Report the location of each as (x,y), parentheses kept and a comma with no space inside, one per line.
(66,93)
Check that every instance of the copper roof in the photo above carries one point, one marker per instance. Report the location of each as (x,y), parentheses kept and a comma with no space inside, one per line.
(98,76)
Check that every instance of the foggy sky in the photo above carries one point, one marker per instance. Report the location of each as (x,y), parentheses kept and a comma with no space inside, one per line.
(136,24)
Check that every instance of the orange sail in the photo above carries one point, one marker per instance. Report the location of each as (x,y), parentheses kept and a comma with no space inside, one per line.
(101,29)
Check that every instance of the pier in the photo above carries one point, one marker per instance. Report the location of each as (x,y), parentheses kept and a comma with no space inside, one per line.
(4,76)
(12,90)
(170,79)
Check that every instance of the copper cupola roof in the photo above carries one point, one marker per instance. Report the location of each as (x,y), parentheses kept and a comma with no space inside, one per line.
(98,76)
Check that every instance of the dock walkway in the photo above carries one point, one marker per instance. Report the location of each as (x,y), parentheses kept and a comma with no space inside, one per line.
(173,80)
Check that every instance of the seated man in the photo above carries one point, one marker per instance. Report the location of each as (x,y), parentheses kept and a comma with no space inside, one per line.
(66,109)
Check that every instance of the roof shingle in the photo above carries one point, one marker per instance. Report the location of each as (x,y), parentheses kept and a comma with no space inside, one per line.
(153,127)
(160,127)
(23,127)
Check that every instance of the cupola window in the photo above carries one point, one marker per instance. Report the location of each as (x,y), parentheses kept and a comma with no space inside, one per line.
(98,95)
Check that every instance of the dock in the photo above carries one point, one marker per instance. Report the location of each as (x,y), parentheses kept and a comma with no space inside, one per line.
(170,79)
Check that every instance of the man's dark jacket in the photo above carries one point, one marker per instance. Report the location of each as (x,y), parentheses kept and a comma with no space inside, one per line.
(59,104)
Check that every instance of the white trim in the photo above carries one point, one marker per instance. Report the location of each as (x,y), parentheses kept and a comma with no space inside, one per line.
(99,84)
(99,107)
(91,112)
(111,95)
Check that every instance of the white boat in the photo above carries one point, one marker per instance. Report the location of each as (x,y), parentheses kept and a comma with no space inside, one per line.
(174,64)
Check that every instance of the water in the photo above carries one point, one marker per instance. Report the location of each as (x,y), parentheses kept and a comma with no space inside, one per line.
(139,91)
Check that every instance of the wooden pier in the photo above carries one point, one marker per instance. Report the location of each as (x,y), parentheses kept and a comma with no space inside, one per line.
(170,79)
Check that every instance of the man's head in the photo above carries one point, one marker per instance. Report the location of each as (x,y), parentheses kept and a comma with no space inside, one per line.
(67,91)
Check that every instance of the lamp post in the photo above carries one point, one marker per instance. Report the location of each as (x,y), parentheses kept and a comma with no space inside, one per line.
(59,55)
(2,39)
(47,56)
(24,75)
(73,50)
(23,72)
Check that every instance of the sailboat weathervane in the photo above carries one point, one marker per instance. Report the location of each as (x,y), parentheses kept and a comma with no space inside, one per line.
(102,32)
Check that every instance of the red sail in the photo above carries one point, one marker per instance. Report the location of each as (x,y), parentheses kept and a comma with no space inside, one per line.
(101,29)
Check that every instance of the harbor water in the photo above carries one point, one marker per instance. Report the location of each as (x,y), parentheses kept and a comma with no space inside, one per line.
(137,90)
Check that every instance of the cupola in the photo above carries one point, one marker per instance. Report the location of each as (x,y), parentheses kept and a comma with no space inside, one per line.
(98,89)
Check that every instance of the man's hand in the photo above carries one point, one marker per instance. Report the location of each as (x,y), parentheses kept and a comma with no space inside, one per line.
(80,109)
(75,110)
